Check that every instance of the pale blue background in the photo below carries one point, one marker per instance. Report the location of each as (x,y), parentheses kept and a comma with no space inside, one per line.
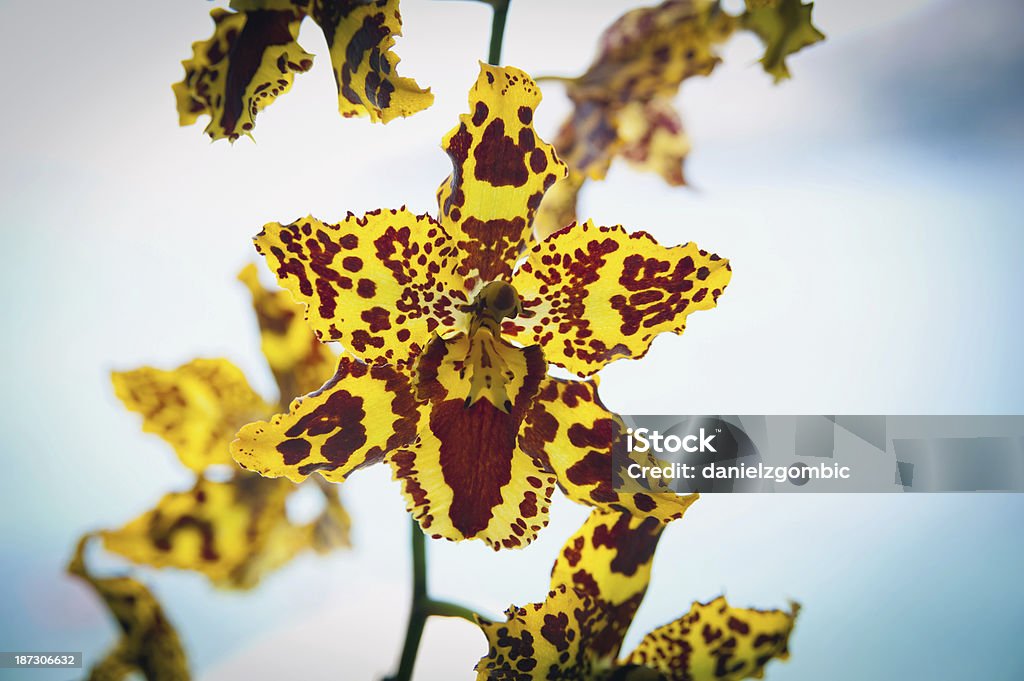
(871,208)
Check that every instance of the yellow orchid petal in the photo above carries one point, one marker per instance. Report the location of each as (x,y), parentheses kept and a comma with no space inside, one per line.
(359,415)
(570,429)
(360,36)
(609,559)
(251,58)
(500,171)
(598,582)
(224,530)
(600,293)
(196,408)
(466,478)
(379,284)
(643,58)
(649,51)
(300,363)
(717,641)
(149,644)
(785,28)
(540,641)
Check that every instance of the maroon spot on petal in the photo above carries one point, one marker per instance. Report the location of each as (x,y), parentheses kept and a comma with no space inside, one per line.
(527,140)
(366,288)
(538,161)
(361,340)
(555,630)
(469,436)
(480,114)
(294,451)
(585,582)
(499,160)
(378,318)
(711,634)
(528,506)
(633,546)
(739,626)
(341,411)
(644,502)
(574,553)
(594,471)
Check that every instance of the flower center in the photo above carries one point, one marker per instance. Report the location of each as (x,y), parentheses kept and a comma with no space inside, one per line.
(495,302)
(491,361)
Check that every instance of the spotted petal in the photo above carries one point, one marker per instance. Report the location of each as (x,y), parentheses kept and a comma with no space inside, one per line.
(196,408)
(300,363)
(233,532)
(251,58)
(546,640)
(500,171)
(149,644)
(649,51)
(600,293)
(609,559)
(643,58)
(570,429)
(380,283)
(717,641)
(597,584)
(785,28)
(360,35)
(361,413)
(466,477)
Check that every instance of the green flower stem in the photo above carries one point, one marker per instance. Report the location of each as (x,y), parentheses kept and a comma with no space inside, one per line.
(423,606)
(500,8)
(446,609)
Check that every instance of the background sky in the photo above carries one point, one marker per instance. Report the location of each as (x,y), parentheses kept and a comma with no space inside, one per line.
(871,208)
